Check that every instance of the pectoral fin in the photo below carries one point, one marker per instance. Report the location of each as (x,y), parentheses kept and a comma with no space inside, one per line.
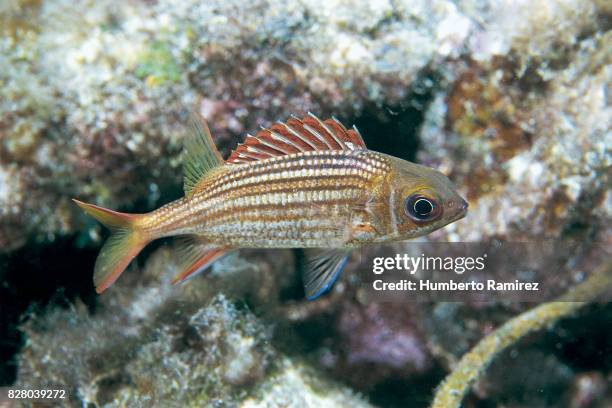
(322,270)
(364,225)
(196,256)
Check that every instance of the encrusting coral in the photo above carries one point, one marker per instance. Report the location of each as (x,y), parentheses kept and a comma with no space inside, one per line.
(94,95)
(218,353)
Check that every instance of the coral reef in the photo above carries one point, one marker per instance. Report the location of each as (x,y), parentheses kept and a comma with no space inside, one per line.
(95,94)
(295,385)
(524,126)
(377,341)
(218,354)
(510,98)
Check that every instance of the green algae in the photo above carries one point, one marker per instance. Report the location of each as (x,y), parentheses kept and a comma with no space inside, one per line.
(158,65)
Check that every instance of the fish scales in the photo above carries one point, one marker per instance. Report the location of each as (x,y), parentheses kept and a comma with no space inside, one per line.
(298,200)
(304,183)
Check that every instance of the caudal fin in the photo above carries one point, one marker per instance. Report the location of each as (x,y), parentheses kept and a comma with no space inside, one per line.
(125,242)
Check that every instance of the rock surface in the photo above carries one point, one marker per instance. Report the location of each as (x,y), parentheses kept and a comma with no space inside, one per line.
(218,354)
(95,94)
(510,98)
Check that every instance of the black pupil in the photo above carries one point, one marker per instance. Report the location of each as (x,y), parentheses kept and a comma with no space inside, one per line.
(422,207)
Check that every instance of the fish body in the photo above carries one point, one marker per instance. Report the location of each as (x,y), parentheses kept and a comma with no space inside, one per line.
(304,200)
(301,184)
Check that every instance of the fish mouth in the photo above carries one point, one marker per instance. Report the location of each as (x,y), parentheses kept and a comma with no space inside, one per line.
(463,209)
(461,215)
(457,217)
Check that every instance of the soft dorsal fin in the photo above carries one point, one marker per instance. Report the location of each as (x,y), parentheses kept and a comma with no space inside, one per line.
(200,155)
(297,135)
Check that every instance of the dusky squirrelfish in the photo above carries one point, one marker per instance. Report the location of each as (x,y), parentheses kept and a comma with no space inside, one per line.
(305,183)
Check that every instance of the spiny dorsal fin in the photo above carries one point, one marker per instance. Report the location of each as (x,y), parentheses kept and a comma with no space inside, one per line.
(297,135)
(200,155)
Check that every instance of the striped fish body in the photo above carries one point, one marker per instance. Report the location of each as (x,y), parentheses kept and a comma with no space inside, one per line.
(305,183)
(310,199)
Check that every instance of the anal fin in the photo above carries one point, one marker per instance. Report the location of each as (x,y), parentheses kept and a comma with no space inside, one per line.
(196,256)
(322,270)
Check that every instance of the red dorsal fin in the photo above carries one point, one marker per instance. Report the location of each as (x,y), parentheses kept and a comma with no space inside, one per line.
(297,135)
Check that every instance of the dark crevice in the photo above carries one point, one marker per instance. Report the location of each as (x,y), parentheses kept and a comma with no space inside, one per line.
(397,392)
(579,341)
(394,129)
(295,290)
(34,277)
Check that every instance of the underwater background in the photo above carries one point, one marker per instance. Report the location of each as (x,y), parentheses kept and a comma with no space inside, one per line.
(508,98)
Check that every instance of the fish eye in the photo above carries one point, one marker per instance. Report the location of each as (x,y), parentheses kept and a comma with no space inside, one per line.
(421,208)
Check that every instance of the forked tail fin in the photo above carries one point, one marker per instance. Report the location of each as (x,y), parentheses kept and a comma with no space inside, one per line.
(125,242)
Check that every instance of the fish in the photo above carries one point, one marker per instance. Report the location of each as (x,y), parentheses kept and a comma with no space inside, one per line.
(303,183)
